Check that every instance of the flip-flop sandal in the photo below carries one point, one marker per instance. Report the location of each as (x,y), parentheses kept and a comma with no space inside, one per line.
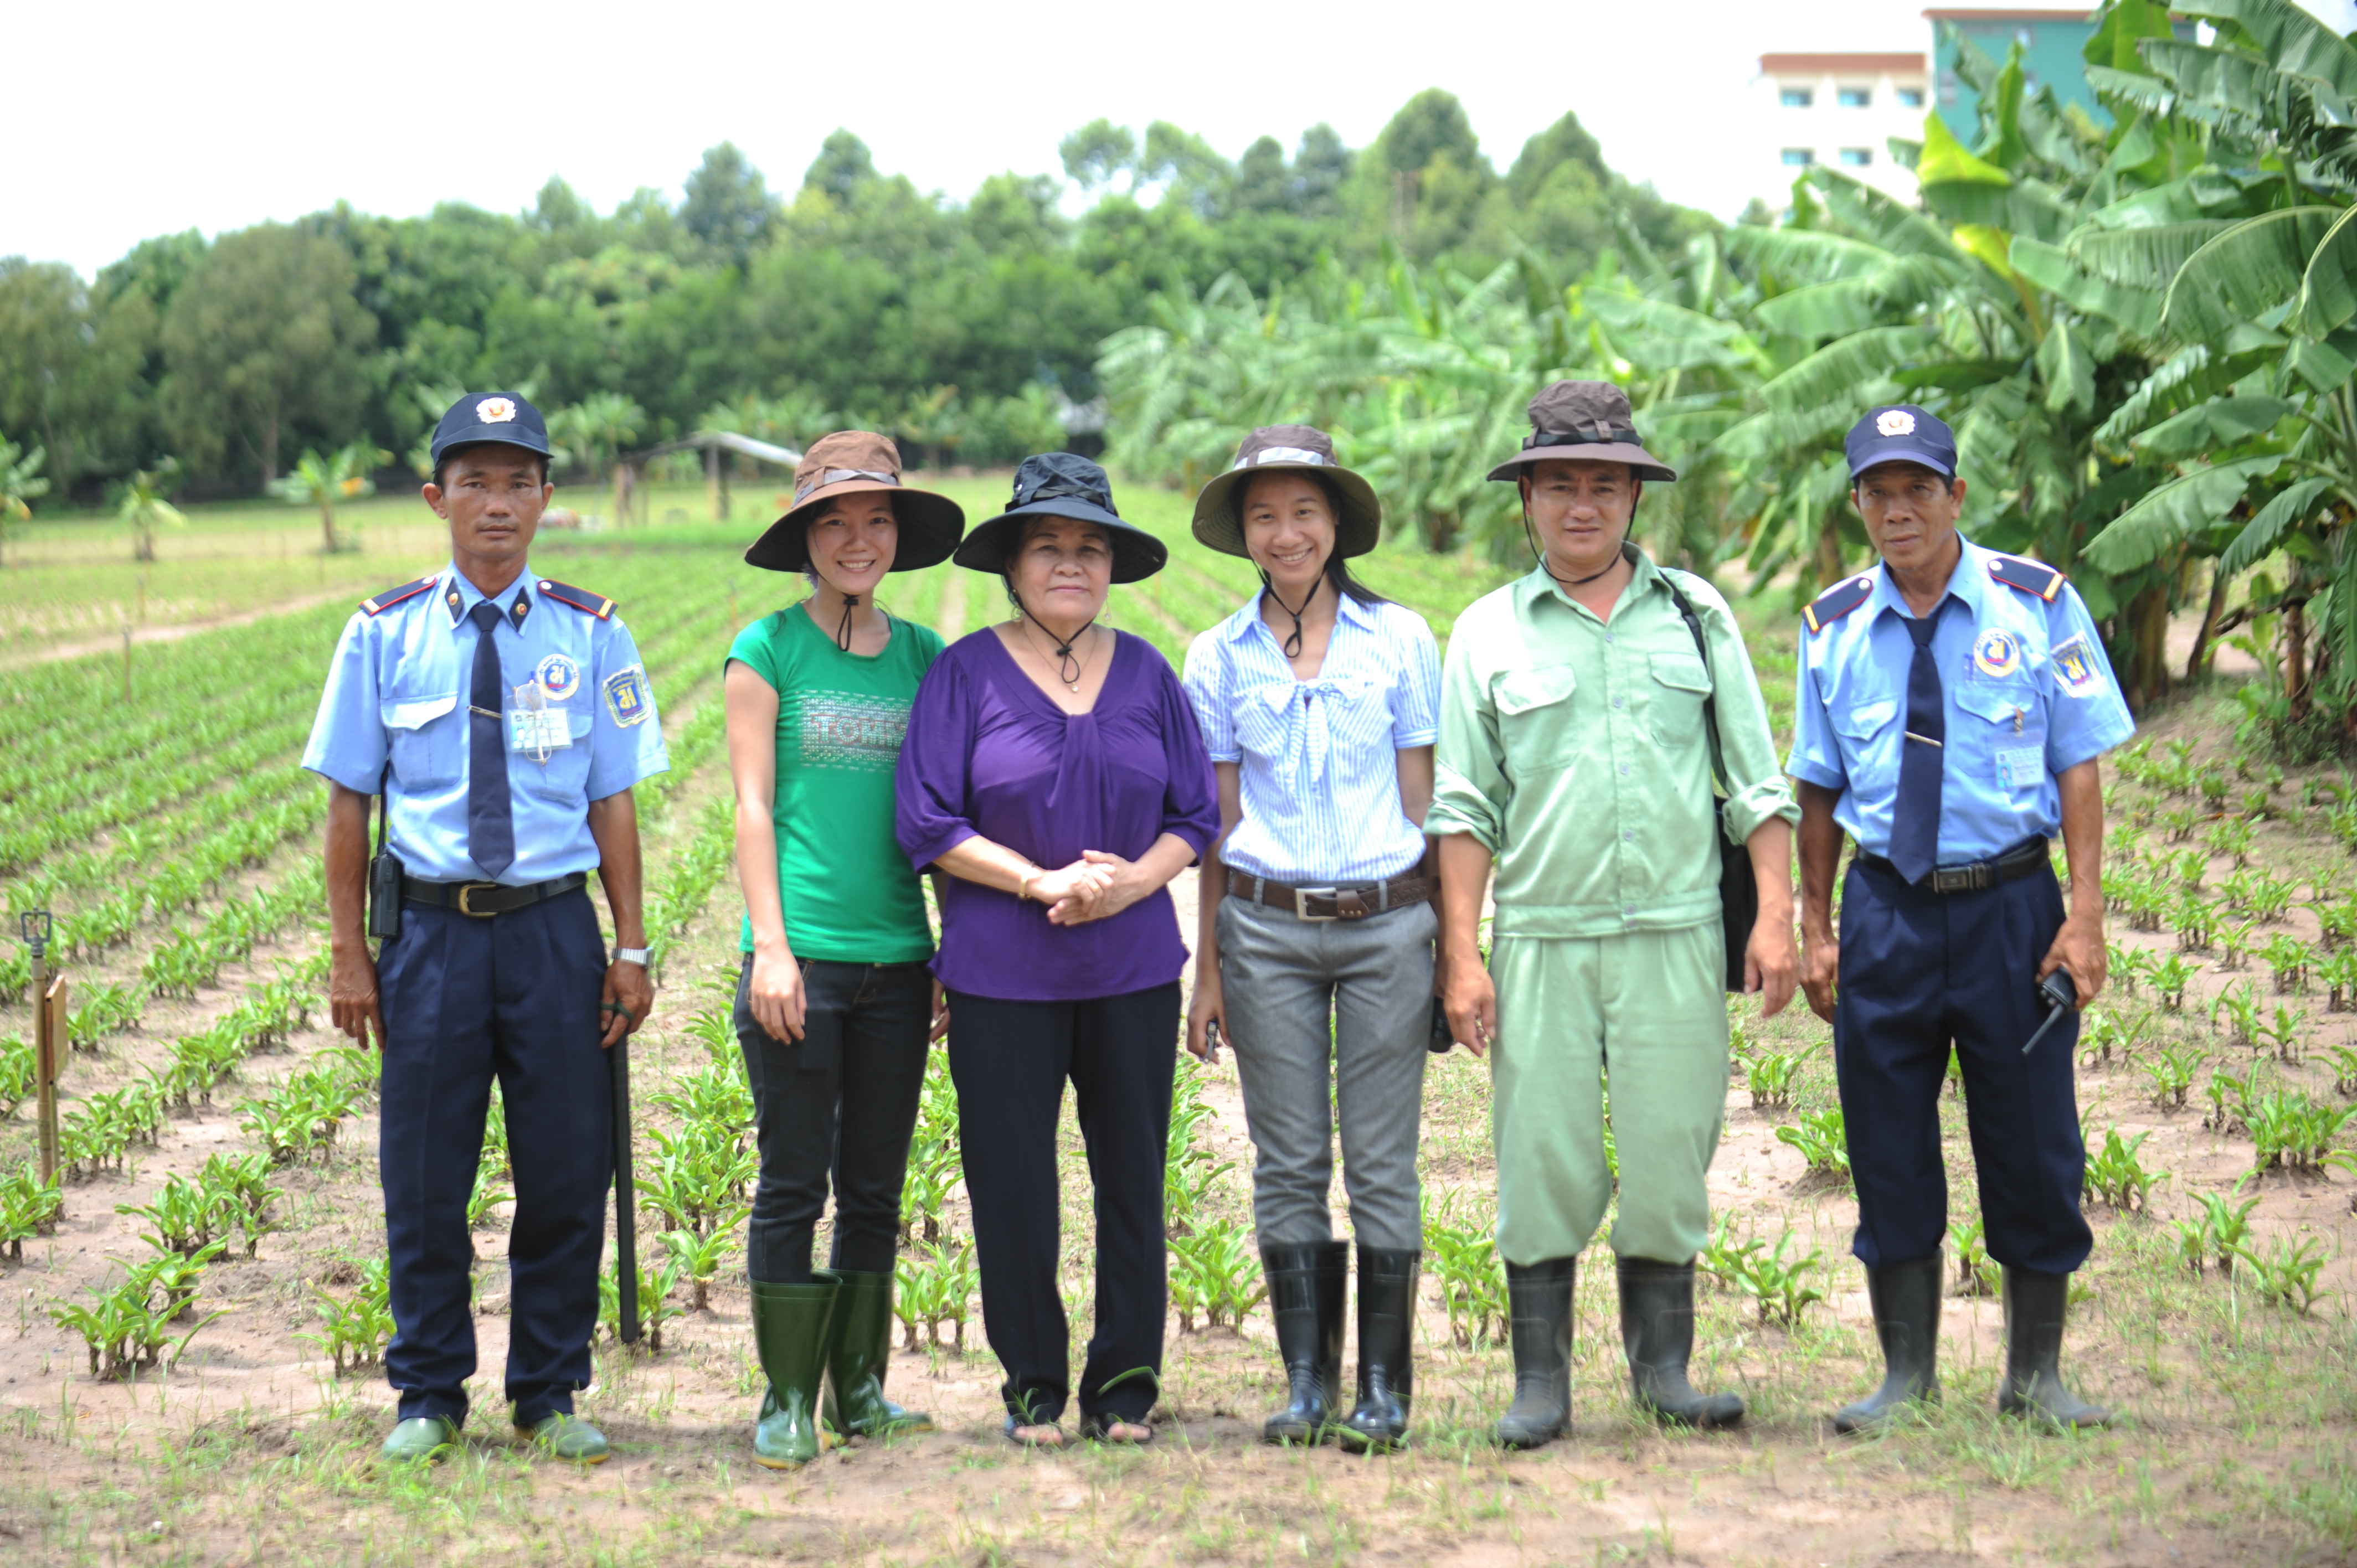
(1096,1429)
(1013,1429)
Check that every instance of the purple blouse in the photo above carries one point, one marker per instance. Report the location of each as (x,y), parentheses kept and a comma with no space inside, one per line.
(987,754)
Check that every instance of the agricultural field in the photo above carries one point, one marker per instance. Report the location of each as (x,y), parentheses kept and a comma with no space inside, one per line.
(189,1364)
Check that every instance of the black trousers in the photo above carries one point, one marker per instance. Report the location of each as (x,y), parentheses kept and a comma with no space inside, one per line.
(1010,1060)
(466,999)
(1918,970)
(840,1101)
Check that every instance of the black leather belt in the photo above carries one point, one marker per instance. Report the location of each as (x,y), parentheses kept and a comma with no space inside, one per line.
(1979,876)
(1353,903)
(484,900)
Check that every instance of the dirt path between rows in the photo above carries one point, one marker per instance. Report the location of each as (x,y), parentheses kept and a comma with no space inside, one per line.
(173,633)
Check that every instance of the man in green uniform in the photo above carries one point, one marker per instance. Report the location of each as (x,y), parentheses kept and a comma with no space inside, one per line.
(1576,751)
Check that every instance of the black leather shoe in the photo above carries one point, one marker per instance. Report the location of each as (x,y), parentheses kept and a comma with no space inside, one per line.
(1539,1297)
(1309,1283)
(2034,1308)
(1386,1350)
(1657,1331)
(1906,1298)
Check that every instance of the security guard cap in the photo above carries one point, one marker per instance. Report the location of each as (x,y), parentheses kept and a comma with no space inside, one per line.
(501,417)
(1900,433)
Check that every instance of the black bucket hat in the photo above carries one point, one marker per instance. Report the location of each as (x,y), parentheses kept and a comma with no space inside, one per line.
(1287,448)
(1062,484)
(1583,422)
(847,463)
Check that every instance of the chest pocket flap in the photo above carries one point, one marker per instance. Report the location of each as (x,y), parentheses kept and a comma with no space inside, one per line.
(1997,700)
(1684,672)
(415,713)
(1863,721)
(1519,691)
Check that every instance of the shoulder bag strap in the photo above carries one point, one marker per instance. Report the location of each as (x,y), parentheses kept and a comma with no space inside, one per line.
(1710,704)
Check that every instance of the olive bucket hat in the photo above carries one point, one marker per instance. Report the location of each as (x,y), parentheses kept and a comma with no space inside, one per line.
(848,463)
(1062,484)
(1583,422)
(1289,448)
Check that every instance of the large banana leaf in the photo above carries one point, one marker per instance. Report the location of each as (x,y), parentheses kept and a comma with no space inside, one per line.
(2068,369)
(2049,267)
(1836,370)
(2173,512)
(2208,426)
(1805,255)
(2247,271)
(2186,377)
(2293,40)
(2026,207)
(1822,310)
(2275,520)
(2327,292)
(2228,82)
(2148,258)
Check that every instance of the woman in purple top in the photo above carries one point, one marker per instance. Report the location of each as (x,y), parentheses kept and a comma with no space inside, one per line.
(1054,770)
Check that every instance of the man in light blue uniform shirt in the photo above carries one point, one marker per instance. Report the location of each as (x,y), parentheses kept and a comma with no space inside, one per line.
(1952,705)
(504,717)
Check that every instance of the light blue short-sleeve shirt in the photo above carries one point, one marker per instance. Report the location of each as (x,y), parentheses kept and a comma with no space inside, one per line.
(1319,759)
(395,712)
(2029,695)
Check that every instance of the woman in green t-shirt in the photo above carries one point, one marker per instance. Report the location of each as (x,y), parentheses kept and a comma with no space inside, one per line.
(834,1002)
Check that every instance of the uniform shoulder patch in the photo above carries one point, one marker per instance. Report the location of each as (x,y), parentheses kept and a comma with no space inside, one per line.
(2034,577)
(1838,601)
(581,599)
(385,598)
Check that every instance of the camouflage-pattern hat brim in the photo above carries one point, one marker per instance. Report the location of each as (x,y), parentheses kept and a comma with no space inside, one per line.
(1279,450)
(851,461)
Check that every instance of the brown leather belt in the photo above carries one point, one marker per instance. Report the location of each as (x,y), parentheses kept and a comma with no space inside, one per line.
(1353,903)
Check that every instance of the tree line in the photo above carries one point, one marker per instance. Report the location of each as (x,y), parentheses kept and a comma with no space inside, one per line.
(970,329)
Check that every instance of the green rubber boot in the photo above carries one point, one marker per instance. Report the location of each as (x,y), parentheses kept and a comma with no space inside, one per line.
(858,1353)
(421,1440)
(790,1332)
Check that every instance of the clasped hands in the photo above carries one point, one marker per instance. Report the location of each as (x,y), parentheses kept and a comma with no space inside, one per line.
(1093,888)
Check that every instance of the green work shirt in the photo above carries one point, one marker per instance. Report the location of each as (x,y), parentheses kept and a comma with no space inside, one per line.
(1575,750)
(850,895)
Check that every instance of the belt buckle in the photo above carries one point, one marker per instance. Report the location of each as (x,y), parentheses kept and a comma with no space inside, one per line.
(1301,897)
(467,891)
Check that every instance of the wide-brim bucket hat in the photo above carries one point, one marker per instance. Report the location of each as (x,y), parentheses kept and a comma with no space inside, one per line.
(1287,448)
(1062,484)
(848,463)
(1583,422)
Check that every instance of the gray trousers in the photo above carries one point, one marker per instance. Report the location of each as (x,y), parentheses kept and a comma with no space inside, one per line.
(1330,1016)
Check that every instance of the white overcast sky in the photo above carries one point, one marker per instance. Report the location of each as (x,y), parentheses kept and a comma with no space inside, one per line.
(136,119)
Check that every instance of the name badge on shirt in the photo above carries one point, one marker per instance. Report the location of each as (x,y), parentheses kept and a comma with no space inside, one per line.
(536,728)
(2022,766)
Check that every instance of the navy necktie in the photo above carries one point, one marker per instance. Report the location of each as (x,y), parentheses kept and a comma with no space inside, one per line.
(490,828)
(1915,822)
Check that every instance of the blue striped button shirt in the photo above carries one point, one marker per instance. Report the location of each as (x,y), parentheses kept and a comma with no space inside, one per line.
(1319,759)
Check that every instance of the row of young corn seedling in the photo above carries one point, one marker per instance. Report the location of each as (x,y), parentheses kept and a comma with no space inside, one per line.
(696,869)
(1777,1284)
(354,1329)
(128,1326)
(1462,1257)
(230,1196)
(306,1112)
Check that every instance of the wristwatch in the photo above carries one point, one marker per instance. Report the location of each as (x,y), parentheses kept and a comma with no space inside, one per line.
(631,955)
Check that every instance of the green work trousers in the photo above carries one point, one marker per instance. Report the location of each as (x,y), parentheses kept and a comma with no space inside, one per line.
(1643,1016)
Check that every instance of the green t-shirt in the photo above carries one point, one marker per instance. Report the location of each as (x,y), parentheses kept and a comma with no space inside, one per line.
(850,895)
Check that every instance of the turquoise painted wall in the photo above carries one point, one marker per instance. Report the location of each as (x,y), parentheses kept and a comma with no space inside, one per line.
(2052,55)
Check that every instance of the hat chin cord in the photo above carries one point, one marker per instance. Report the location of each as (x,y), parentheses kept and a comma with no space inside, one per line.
(1064,655)
(1292,643)
(1530,534)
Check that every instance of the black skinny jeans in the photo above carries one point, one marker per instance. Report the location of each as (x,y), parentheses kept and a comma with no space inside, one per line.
(1010,1060)
(843,1098)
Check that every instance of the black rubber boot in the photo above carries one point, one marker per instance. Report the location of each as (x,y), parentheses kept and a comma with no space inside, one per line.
(2034,1305)
(1308,1285)
(1657,1331)
(1386,1351)
(1539,1297)
(858,1353)
(1906,1298)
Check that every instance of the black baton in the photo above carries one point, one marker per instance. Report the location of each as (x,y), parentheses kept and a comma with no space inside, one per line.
(626,1207)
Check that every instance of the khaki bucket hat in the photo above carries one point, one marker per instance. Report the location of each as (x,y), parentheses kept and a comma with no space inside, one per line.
(847,463)
(1583,422)
(1282,448)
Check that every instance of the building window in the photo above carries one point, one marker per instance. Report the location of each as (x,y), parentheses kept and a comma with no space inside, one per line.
(1799,157)
(2025,34)
(1796,98)
(1856,97)
(1910,98)
(1949,86)
(1856,157)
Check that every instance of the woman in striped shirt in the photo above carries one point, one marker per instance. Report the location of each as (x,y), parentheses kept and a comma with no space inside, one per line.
(1318,702)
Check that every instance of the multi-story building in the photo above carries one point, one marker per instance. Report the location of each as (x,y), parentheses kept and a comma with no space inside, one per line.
(1841,110)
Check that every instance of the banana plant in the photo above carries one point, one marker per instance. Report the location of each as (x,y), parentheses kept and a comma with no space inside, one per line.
(340,476)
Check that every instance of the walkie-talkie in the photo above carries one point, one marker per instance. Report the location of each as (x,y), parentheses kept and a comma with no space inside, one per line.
(385,872)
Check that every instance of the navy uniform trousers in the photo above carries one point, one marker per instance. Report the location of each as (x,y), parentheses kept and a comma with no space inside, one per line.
(1921,970)
(464,998)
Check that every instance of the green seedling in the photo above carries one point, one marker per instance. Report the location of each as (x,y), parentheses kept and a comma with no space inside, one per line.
(2291,1132)
(655,1283)
(2286,1274)
(2240,1007)
(2195,921)
(2117,1176)
(1975,1272)
(2129,966)
(700,1257)
(1215,1274)
(2288,960)
(2170,1071)
(2170,975)
(1822,1141)
(936,1285)
(1464,1262)
(2285,1033)
(29,1208)
(355,1329)
(1772,1075)
(1775,1284)
(2225,1224)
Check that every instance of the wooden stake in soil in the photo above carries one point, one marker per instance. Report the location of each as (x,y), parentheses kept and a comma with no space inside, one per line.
(33,926)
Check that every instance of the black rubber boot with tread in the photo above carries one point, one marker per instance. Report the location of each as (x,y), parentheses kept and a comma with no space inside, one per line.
(1657,1332)
(2035,1306)
(1386,1350)
(858,1354)
(1906,1300)
(1308,1288)
(1539,1297)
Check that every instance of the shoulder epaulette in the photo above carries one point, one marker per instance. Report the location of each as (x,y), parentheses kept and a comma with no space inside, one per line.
(2030,577)
(1838,601)
(385,598)
(581,599)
